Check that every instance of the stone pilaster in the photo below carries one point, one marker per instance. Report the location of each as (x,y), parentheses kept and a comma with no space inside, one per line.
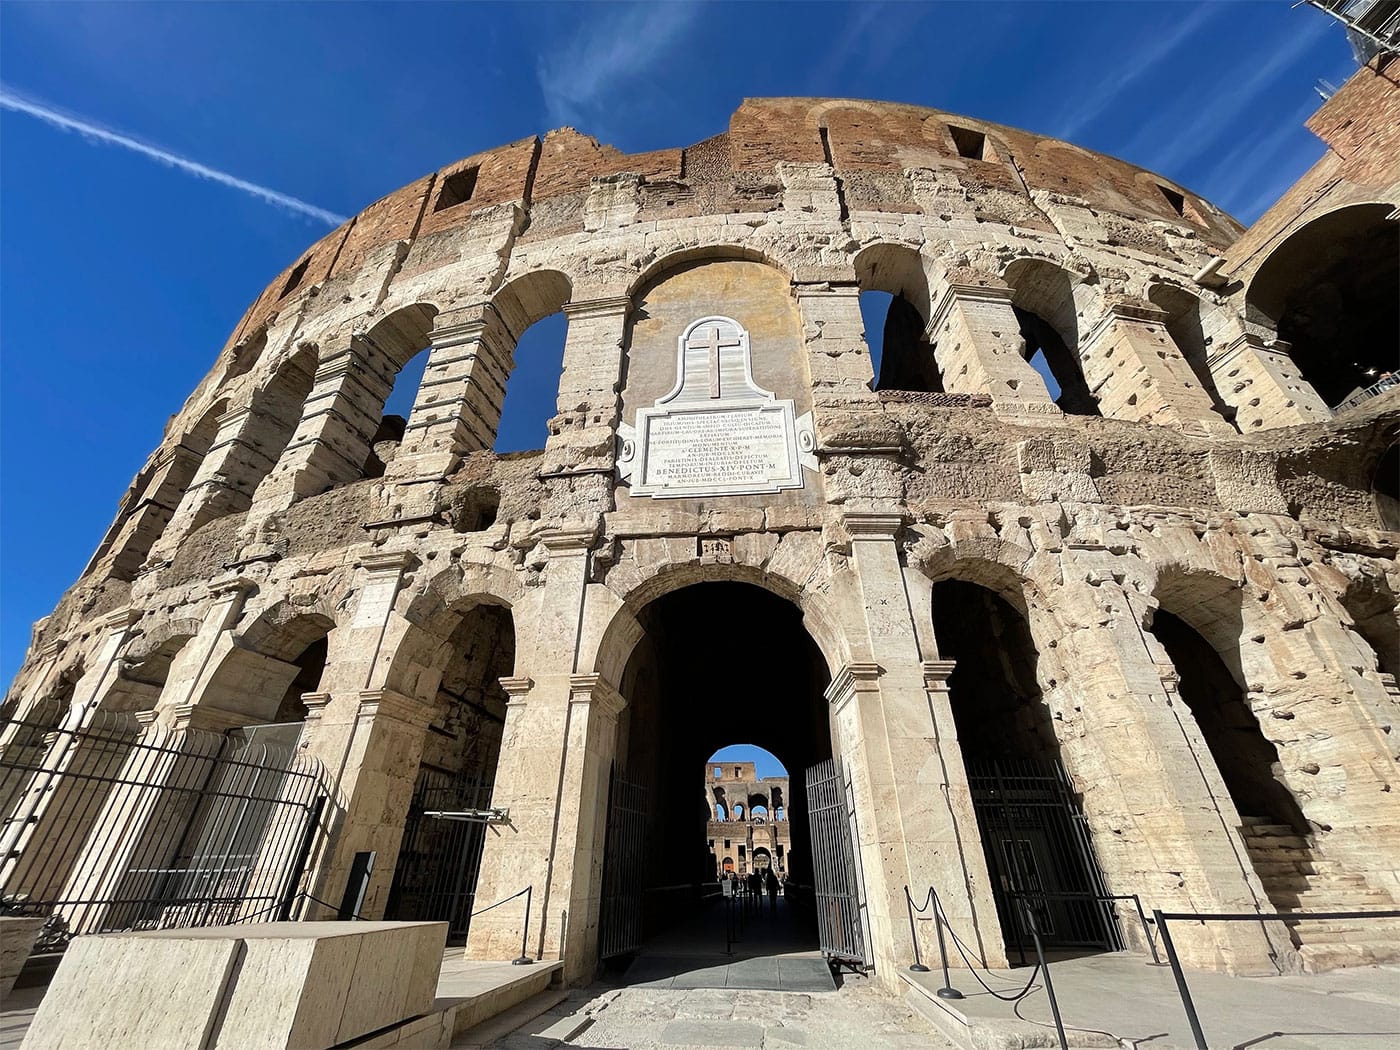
(1137,373)
(581,438)
(458,407)
(552,727)
(977,343)
(1261,382)
(838,357)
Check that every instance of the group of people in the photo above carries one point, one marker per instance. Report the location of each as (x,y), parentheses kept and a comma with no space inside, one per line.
(755,883)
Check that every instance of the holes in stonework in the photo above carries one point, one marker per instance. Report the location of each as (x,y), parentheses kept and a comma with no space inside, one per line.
(295,278)
(457,189)
(1176,200)
(970,144)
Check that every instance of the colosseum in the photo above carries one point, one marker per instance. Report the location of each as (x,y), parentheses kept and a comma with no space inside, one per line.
(1084,589)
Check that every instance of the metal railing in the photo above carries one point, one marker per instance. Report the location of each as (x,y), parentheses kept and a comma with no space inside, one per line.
(109,825)
(1101,898)
(1380,386)
(1183,990)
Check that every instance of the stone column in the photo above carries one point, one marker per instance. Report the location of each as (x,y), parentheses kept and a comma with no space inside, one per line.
(838,357)
(369,737)
(1162,825)
(458,407)
(31,686)
(582,436)
(1137,373)
(1264,386)
(977,343)
(332,441)
(48,798)
(890,746)
(559,736)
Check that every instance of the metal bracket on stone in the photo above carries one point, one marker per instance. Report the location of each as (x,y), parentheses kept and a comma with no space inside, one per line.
(474,816)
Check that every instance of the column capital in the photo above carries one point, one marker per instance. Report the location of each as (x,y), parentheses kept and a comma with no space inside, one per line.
(1123,310)
(597,690)
(576,540)
(936,673)
(231,587)
(958,287)
(452,335)
(853,678)
(584,309)
(390,703)
(204,718)
(517,688)
(868,524)
(49,650)
(119,619)
(382,563)
(828,289)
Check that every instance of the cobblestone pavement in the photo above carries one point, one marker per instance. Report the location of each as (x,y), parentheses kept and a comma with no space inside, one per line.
(857,1017)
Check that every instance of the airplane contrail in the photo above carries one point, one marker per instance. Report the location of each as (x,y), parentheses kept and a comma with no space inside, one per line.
(19,104)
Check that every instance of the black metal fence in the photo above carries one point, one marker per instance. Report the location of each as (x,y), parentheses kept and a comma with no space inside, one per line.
(621,923)
(840,918)
(1038,851)
(111,824)
(440,857)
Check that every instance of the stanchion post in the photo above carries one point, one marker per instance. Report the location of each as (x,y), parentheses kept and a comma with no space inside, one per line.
(1045,969)
(918,966)
(1181,988)
(524,959)
(947,991)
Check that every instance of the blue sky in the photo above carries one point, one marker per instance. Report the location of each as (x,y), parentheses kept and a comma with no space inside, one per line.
(122,273)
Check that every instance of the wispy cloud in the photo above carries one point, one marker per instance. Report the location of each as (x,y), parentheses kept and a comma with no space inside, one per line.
(1227,100)
(589,72)
(1144,59)
(94,132)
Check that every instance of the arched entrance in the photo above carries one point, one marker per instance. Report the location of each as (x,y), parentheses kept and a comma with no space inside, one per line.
(714,662)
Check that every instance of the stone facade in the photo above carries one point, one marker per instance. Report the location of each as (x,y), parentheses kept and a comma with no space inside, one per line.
(1179,579)
(746,827)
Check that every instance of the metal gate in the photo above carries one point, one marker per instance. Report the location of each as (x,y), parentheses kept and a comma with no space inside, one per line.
(620,923)
(440,858)
(112,825)
(841,915)
(1038,852)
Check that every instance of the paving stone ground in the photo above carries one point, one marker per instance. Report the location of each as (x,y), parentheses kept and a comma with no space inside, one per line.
(859,1016)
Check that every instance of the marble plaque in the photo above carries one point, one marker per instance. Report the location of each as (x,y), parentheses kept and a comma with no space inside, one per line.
(717,433)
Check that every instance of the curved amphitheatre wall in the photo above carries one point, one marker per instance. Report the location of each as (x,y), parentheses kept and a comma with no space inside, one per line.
(1222,469)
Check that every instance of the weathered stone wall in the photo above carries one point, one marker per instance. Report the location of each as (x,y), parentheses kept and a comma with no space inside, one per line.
(262,532)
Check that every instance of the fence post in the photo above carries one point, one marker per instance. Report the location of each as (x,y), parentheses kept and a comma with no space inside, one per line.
(918,966)
(524,959)
(1177,973)
(303,856)
(947,991)
(1045,969)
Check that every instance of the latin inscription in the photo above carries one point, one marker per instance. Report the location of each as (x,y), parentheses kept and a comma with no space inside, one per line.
(745,447)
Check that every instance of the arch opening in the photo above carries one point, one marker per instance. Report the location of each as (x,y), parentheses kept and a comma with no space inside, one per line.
(683,708)
(1329,291)
(1034,838)
(894,304)
(439,857)
(1043,297)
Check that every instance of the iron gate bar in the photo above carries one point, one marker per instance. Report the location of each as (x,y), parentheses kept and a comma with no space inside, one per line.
(147,828)
(1038,848)
(440,855)
(620,921)
(840,927)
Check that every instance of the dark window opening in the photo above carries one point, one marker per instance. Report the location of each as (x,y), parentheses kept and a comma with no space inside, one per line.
(901,357)
(478,510)
(1176,200)
(311,665)
(457,189)
(295,277)
(1058,364)
(970,144)
(1387,489)
(1248,761)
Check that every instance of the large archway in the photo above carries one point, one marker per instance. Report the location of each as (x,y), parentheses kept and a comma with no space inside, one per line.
(1329,290)
(714,662)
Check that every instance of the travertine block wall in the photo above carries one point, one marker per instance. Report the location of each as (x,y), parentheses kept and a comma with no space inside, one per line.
(267,536)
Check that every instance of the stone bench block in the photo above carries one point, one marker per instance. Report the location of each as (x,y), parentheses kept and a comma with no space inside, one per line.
(309,986)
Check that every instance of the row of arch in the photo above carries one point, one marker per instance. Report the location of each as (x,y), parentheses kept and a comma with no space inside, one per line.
(218,463)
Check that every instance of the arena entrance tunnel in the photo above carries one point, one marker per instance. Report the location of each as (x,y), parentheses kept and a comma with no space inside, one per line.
(717,663)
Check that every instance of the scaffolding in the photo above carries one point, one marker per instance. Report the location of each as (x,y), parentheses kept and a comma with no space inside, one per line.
(1372,25)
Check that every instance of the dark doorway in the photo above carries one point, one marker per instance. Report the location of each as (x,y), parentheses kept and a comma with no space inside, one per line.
(1034,835)
(717,662)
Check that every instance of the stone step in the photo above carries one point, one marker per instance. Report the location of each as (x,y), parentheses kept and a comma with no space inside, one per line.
(503,1024)
(967,1030)
(1270,830)
(1321,931)
(1286,839)
(1318,958)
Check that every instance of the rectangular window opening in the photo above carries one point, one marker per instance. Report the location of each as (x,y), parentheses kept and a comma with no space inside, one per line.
(295,277)
(971,144)
(457,189)
(1176,200)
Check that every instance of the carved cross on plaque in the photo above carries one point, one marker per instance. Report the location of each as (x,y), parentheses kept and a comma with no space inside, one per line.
(712,342)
